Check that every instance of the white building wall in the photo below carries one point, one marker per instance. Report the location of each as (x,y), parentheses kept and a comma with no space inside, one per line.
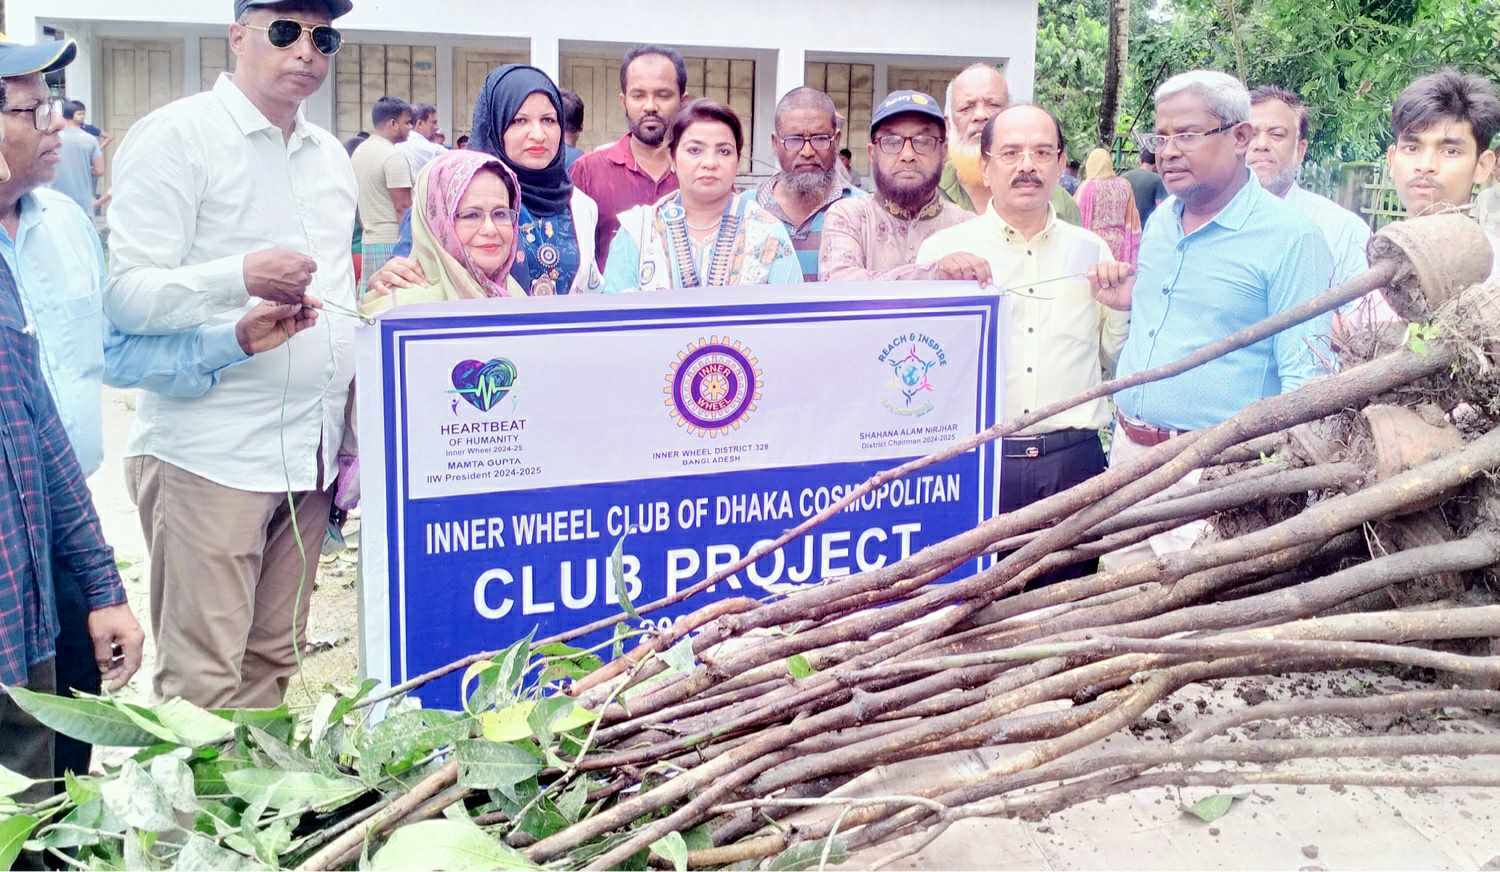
(785,32)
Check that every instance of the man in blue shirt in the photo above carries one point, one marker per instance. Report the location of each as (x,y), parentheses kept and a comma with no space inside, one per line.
(51,249)
(1219,255)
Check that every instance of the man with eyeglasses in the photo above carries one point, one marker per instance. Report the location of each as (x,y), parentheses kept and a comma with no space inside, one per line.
(806,144)
(877,238)
(1058,335)
(1221,254)
(222,198)
(976,95)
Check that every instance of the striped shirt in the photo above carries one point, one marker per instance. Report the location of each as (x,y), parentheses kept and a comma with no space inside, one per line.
(807,237)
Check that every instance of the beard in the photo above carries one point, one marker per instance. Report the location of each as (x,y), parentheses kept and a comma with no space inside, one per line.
(653,137)
(810,182)
(965,158)
(910,196)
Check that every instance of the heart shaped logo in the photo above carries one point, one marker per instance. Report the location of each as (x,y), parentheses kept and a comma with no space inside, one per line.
(484,384)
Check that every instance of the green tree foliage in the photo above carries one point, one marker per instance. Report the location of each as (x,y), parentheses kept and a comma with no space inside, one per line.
(1348,58)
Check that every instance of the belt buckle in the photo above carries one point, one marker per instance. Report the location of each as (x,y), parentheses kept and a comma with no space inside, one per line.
(1033,452)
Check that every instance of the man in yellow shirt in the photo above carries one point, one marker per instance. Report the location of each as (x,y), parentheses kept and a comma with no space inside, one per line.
(1058,339)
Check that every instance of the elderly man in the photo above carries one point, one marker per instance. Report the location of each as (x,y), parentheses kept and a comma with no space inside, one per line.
(805,141)
(49,524)
(1222,254)
(974,97)
(223,197)
(421,144)
(1059,338)
(55,257)
(877,238)
(636,170)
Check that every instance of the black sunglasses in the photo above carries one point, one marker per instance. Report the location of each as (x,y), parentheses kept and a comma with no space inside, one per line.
(284,33)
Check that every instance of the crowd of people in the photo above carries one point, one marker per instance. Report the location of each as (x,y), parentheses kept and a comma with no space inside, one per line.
(230,228)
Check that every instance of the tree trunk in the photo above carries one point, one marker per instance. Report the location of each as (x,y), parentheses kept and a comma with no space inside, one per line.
(1114,68)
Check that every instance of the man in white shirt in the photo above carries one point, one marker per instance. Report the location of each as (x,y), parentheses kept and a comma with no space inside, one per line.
(421,144)
(220,198)
(1279,118)
(1059,338)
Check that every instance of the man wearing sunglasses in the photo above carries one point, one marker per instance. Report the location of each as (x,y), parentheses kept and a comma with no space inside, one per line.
(877,238)
(223,198)
(806,141)
(1219,255)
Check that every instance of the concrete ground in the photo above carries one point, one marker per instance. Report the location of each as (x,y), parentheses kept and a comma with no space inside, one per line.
(1270,827)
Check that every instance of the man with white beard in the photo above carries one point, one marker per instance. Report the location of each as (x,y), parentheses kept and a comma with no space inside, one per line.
(975,96)
(805,141)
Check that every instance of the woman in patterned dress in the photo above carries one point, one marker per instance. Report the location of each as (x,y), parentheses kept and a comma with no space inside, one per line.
(704,234)
(1107,203)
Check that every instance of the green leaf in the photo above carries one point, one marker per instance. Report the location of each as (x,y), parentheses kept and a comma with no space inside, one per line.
(146,720)
(799,667)
(510,724)
(192,724)
(12,783)
(276,721)
(280,754)
(94,721)
(672,848)
(82,826)
(13,833)
(620,633)
(699,838)
(617,573)
(138,801)
(202,854)
(396,742)
(570,804)
(446,844)
(806,855)
(80,790)
(556,714)
(679,658)
(175,780)
(286,791)
(494,766)
(1211,808)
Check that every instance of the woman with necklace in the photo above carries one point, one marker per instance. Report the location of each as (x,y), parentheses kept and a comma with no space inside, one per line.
(703,235)
(517,118)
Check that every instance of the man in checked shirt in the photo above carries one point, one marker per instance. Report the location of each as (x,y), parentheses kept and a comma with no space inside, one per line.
(46,514)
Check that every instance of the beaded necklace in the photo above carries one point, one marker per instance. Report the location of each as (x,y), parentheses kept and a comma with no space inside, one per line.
(673,215)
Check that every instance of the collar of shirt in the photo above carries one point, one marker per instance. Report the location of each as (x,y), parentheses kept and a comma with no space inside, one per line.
(251,120)
(1013,236)
(765,196)
(933,209)
(1233,216)
(620,154)
(951,188)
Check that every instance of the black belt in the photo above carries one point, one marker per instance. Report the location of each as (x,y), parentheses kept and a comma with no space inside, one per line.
(1032,447)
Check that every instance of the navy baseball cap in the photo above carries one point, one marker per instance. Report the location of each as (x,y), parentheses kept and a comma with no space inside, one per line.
(906,102)
(18,59)
(335,7)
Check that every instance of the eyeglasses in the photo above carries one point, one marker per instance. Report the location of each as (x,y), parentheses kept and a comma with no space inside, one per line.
(1155,142)
(1042,154)
(922,143)
(475,218)
(284,33)
(820,141)
(41,114)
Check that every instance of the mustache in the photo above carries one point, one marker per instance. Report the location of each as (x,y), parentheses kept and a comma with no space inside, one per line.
(1025,179)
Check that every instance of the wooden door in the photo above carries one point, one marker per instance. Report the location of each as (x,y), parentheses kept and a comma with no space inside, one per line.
(929,81)
(597,81)
(470,68)
(139,77)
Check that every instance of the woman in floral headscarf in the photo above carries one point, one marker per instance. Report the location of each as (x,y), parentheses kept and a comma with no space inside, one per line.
(464,232)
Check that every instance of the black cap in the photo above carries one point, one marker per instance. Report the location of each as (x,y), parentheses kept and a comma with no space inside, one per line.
(904,102)
(335,7)
(18,59)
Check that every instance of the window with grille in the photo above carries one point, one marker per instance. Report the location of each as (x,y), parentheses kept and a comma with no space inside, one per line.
(852,87)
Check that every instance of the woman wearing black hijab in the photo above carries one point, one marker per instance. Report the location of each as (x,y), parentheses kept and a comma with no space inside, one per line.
(518,118)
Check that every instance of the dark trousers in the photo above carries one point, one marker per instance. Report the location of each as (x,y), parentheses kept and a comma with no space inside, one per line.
(1032,468)
(27,745)
(76,667)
